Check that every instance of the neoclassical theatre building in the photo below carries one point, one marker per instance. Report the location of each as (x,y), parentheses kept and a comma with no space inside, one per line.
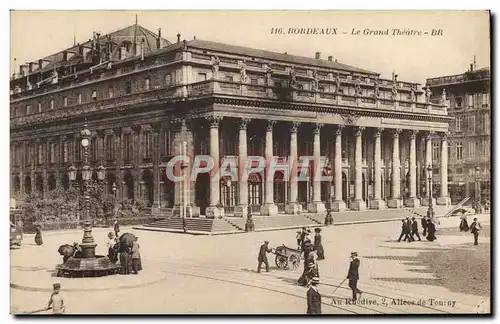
(143,97)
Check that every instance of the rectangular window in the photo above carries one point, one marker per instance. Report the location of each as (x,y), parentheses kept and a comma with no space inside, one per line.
(486,148)
(51,103)
(127,146)
(485,99)
(471,124)
(79,98)
(458,102)
(472,151)
(65,101)
(166,143)
(458,124)
(110,92)
(202,77)
(27,160)
(146,84)
(486,123)
(78,150)
(94,149)
(229,78)
(459,151)
(435,151)
(110,147)
(39,154)
(253,81)
(470,100)
(128,87)
(168,80)
(147,144)
(39,107)
(94,95)
(65,152)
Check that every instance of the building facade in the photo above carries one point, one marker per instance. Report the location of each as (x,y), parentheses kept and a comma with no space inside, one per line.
(147,100)
(469,102)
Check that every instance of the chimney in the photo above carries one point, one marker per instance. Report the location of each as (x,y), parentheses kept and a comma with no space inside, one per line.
(471,67)
(158,39)
(65,56)
(142,49)
(30,67)
(318,55)
(330,58)
(178,38)
(22,70)
(40,64)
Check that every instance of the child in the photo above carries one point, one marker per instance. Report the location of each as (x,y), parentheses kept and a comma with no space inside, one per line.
(56,300)
(136,257)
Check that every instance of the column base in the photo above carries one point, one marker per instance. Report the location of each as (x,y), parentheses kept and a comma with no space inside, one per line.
(425,202)
(316,207)
(338,206)
(443,201)
(377,204)
(293,208)
(241,211)
(268,210)
(155,209)
(214,212)
(395,203)
(412,202)
(358,205)
(191,211)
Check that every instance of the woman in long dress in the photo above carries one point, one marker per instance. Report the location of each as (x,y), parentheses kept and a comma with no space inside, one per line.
(317,244)
(431,230)
(464,226)
(38,235)
(125,262)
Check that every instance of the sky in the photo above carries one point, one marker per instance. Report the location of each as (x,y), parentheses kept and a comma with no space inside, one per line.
(414,58)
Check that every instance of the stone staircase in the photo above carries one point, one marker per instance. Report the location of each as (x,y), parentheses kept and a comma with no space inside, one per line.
(352,217)
(207,226)
(171,224)
(268,223)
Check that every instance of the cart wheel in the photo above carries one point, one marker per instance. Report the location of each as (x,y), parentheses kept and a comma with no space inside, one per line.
(295,261)
(281,262)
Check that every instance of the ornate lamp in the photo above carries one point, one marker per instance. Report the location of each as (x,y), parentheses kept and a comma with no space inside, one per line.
(430,211)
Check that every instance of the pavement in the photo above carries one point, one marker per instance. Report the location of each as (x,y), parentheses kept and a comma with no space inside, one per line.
(185,274)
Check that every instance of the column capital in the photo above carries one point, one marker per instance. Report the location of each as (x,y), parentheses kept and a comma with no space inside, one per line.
(136,128)
(156,127)
(295,127)
(444,136)
(430,134)
(214,121)
(317,127)
(243,122)
(100,132)
(413,134)
(117,130)
(359,130)
(270,125)
(339,129)
(378,131)
(396,133)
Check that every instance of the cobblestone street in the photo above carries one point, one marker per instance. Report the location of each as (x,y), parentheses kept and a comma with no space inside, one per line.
(216,274)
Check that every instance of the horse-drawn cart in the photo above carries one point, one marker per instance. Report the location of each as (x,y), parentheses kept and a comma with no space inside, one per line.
(286,256)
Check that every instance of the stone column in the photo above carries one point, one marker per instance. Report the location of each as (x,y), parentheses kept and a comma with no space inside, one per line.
(443,198)
(338,204)
(412,200)
(317,206)
(136,160)
(241,209)
(358,203)
(395,201)
(156,170)
(428,162)
(269,208)
(377,202)
(293,207)
(117,136)
(213,211)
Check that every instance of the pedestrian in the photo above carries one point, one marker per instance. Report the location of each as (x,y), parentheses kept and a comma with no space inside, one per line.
(56,300)
(38,235)
(475,228)
(125,261)
(317,244)
(112,247)
(353,276)
(424,225)
(405,230)
(431,230)
(464,225)
(311,270)
(313,298)
(299,240)
(414,229)
(262,258)
(116,228)
(303,235)
(136,257)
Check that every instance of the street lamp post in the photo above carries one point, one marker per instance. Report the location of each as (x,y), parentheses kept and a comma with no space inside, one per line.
(328,217)
(478,190)
(430,211)
(88,245)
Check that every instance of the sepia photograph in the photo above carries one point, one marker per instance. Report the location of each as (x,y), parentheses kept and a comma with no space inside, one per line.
(322,162)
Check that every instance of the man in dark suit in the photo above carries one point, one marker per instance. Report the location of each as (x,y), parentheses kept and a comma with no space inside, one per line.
(262,258)
(475,228)
(405,230)
(353,275)
(314,297)
(414,229)
(423,222)
(116,228)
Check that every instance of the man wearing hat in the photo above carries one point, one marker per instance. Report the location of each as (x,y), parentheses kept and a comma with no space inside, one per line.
(56,300)
(405,230)
(353,275)
(313,297)
(475,228)
(264,248)
(116,227)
